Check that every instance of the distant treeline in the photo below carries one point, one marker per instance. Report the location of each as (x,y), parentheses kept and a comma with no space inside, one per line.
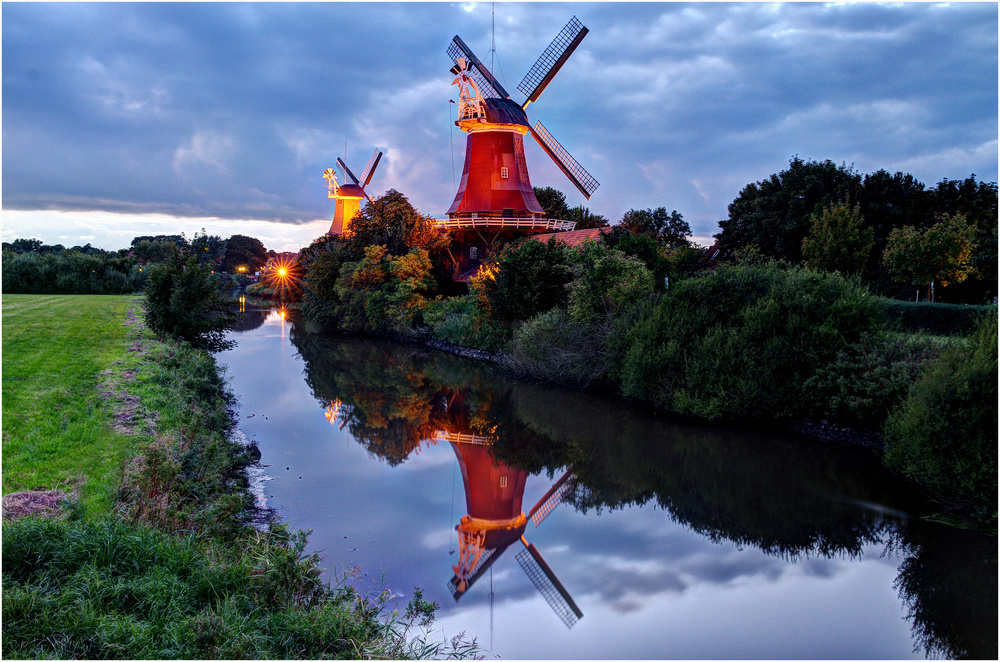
(32,267)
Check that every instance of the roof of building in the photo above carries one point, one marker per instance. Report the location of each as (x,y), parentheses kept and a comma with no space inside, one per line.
(573,237)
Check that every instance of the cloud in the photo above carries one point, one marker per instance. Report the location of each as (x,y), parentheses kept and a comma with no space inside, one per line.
(206,148)
(234,110)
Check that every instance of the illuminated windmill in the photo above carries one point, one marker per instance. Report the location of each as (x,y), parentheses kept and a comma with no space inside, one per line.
(493,493)
(495,192)
(348,195)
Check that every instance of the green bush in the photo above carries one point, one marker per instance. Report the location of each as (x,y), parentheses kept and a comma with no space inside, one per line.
(741,342)
(527,279)
(945,434)
(868,379)
(450,320)
(944,319)
(382,292)
(183,301)
(605,283)
(555,347)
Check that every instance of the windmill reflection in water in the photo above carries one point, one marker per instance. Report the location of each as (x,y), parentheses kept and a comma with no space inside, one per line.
(495,521)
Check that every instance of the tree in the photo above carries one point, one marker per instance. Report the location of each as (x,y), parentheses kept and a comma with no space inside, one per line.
(670,229)
(773,214)
(148,250)
(210,248)
(940,253)
(643,247)
(838,240)
(243,251)
(384,292)
(391,221)
(184,303)
(585,219)
(24,245)
(553,202)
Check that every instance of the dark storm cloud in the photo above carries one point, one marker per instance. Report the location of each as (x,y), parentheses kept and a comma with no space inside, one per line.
(234,110)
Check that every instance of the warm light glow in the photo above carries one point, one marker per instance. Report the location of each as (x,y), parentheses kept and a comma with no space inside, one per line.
(283,278)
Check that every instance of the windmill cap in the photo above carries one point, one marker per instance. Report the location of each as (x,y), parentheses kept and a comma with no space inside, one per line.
(350,191)
(505,111)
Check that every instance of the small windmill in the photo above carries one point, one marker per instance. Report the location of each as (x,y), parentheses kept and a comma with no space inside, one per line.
(349,195)
(495,522)
(495,181)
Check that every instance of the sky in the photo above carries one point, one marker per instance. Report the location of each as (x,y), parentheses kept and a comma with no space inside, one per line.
(127,119)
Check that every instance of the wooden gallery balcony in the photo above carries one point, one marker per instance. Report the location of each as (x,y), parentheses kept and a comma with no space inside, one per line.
(503,223)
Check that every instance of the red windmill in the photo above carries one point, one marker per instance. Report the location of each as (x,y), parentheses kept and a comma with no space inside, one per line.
(495,194)
(495,521)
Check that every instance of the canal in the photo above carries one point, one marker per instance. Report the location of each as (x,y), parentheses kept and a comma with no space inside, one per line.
(551,524)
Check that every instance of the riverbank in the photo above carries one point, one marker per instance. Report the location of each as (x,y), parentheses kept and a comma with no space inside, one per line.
(158,565)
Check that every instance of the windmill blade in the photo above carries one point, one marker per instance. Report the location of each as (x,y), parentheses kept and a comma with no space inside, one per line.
(548,585)
(573,170)
(551,499)
(485,561)
(348,171)
(552,60)
(353,178)
(488,86)
(366,174)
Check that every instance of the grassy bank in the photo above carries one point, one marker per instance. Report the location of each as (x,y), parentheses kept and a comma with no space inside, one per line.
(58,432)
(153,562)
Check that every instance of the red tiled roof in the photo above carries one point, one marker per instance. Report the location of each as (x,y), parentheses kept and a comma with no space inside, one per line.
(573,238)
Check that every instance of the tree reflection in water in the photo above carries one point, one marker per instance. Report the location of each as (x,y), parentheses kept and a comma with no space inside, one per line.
(790,497)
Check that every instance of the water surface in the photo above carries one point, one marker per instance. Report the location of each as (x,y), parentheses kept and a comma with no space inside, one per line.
(673,540)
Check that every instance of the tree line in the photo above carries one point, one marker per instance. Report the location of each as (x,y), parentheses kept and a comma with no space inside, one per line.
(893,230)
(32,267)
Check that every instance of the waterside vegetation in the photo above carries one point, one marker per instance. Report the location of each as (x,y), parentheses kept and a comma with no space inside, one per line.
(754,340)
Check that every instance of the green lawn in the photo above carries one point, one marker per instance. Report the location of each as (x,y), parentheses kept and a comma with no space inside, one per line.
(57,430)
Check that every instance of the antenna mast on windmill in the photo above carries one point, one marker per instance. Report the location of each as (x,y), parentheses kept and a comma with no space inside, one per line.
(349,195)
(495,193)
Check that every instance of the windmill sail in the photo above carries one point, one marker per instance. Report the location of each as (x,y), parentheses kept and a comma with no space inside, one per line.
(353,178)
(573,170)
(549,63)
(549,585)
(548,502)
(485,561)
(369,171)
(488,86)
(350,174)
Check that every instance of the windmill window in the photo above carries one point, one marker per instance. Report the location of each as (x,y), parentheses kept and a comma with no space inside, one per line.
(503,173)
(474,253)
(503,481)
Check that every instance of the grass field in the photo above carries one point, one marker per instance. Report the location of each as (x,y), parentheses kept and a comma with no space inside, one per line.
(57,430)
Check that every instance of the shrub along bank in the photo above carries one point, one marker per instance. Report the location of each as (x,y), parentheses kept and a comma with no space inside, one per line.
(171,571)
(755,341)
